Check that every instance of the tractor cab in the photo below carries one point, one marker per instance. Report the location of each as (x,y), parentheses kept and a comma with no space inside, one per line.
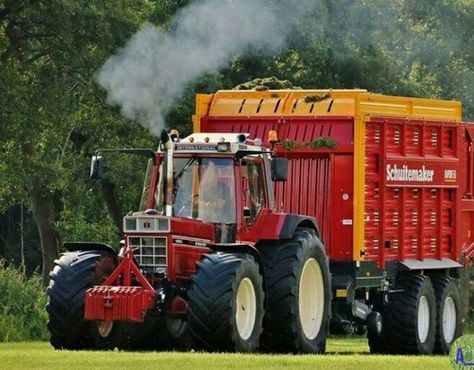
(202,193)
(223,180)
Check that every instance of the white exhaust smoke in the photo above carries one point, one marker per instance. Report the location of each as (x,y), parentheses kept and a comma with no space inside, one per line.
(153,68)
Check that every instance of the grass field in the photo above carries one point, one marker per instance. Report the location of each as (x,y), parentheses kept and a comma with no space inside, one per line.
(341,354)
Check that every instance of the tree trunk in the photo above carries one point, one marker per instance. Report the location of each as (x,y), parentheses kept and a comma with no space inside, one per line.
(45,216)
(110,193)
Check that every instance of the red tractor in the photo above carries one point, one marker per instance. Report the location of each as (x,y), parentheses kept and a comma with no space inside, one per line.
(207,261)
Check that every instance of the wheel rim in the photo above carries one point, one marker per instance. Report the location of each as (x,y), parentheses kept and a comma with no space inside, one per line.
(246,308)
(449,319)
(311,298)
(423,319)
(104,328)
(176,326)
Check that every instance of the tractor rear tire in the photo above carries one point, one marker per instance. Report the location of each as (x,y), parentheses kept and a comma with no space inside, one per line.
(448,306)
(226,303)
(413,318)
(298,292)
(73,274)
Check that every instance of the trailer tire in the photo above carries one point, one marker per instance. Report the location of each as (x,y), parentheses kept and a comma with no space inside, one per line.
(414,315)
(73,274)
(298,317)
(226,303)
(448,307)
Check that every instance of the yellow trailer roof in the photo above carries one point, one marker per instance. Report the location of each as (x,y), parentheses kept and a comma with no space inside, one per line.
(320,103)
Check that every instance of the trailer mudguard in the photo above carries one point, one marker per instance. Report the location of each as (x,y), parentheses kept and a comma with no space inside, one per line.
(429,264)
(88,246)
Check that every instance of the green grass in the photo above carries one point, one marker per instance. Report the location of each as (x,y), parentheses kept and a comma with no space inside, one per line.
(341,354)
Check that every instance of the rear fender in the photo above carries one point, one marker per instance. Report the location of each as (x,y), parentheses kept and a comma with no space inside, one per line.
(292,222)
(240,248)
(87,246)
(281,226)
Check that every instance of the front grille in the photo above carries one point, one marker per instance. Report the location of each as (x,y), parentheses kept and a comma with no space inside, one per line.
(150,253)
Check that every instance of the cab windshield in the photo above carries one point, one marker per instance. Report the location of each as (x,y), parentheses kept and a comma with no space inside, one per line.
(203,188)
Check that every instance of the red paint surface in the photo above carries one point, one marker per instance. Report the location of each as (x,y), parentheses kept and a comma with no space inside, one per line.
(403,219)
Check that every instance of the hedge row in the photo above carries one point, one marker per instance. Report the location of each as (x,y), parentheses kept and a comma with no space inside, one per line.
(22,306)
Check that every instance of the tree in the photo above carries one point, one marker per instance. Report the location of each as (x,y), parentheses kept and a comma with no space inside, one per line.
(53,115)
(49,52)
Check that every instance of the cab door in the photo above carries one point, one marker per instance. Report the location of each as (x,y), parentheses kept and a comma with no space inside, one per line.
(253,196)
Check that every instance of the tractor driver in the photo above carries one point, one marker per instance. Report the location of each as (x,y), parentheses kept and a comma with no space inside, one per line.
(215,204)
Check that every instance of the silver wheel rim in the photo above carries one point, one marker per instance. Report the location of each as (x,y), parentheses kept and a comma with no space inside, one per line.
(246,308)
(311,298)
(423,324)
(449,319)
(104,328)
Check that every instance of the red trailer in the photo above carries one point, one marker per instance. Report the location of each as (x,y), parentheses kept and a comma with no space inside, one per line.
(390,182)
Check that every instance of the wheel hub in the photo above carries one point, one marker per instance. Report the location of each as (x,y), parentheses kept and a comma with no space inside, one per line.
(246,308)
(423,325)
(311,298)
(449,319)
(104,328)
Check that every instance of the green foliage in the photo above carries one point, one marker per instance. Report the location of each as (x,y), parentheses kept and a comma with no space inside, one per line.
(269,83)
(323,142)
(289,144)
(315,98)
(54,116)
(320,142)
(22,306)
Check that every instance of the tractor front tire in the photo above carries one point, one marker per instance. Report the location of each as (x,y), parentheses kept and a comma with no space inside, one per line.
(226,303)
(298,292)
(73,274)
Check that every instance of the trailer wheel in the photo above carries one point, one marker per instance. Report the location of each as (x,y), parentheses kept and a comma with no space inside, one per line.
(448,306)
(226,303)
(299,294)
(414,315)
(73,274)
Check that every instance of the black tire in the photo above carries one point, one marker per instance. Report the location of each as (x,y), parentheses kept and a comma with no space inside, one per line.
(284,330)
(448,304)
(412,331)
(360,330)
(154,334)
(379,338)
(73,274)
(213,303)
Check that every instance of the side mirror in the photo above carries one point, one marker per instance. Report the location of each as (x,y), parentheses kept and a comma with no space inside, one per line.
(279,169)
(97,167)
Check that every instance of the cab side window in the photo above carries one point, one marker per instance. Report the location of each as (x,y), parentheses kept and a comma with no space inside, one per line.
(254,193)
